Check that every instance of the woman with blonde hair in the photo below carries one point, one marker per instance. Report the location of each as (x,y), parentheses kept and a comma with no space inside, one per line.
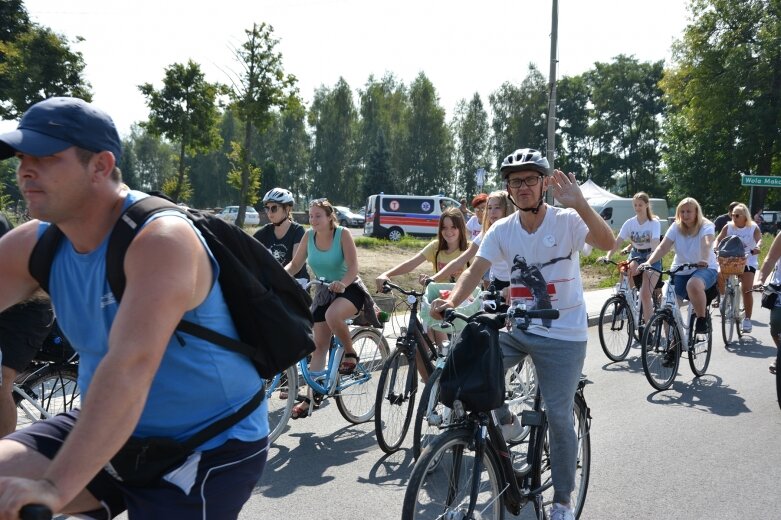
(643,231)
(692,235)
(748,231)
(498,206)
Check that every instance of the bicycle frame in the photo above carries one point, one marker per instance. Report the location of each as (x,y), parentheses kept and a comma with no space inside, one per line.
(732,286)
(629,294)
(27,399)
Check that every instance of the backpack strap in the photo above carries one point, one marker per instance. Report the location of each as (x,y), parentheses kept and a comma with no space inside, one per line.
(42,256)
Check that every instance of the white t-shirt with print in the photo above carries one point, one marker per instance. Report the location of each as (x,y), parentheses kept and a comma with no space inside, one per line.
(499,270)
(687,247)
(544,268)
(474,227)
(640,235)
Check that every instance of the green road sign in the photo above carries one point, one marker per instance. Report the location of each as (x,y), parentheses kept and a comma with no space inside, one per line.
(760,180)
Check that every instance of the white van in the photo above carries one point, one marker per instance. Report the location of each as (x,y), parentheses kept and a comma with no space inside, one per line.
(393,216)
(618,211)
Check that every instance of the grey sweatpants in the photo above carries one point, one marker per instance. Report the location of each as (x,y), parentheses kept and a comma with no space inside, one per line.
(559,365)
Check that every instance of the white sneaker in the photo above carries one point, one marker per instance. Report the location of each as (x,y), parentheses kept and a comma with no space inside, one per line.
(512,431)
(561,512)
(747,325)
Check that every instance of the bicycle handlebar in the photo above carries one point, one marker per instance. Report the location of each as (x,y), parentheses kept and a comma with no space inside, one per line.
(670,271)
(35,512)
(500,317)
(387,286)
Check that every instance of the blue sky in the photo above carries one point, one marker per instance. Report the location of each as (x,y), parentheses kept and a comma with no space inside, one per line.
(463,46)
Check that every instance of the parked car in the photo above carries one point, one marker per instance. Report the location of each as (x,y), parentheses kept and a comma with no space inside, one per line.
(771,222)
(347,218)
(251,216)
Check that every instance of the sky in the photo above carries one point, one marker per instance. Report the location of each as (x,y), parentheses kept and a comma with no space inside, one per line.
(463,46)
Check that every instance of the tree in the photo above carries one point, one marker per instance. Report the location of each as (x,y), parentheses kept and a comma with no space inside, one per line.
(378,177)
(427,158)
(147,160)
(37,64)
(334,118)
(575,146)
(14,20)
(261,87)
(724,97)
(519,115)
(184,111)
(472,142)
(627,109)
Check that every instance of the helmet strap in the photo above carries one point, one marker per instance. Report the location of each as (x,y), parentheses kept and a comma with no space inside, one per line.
(534,210)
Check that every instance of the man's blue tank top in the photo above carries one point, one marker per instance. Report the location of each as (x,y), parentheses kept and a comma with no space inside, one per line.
(197,382)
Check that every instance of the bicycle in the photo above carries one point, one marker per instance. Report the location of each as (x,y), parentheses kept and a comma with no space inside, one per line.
(731,305)
(354,393)
(49,385)
(433,416)
(398,383)
(619,314)
(666,337)
(465,472)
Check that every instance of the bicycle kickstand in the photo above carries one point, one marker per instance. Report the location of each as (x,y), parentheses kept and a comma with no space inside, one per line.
(539,507)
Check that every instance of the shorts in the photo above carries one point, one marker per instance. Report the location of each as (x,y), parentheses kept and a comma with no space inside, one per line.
(23,328)
(775,322)
(708,276)
(352,293)
(222,483)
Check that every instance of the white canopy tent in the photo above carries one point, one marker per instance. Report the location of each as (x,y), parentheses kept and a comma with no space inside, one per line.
(591,190)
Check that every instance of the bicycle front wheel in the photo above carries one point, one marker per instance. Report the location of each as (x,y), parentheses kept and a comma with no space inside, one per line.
(441,481)
(430,417)
(55,390)
(397,388)
(616,328)
(699,353)
(281,391)
(661,350)
(358,391)
(727,310)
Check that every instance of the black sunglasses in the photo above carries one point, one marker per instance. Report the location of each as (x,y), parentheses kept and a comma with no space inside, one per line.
(271,209)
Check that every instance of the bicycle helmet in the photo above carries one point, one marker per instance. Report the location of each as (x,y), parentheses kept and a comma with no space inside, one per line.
(278,195)
(524,159)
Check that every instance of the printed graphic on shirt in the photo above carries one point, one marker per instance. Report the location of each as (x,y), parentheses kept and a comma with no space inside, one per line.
(641,239)
(528,283)
(279,251)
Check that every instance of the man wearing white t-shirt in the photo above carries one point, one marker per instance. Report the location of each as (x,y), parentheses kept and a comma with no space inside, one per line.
(541,244)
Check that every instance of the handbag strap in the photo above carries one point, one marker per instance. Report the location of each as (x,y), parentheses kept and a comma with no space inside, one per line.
(223,424)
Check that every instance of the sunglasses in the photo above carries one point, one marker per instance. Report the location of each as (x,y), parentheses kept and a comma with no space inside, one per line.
(735,215)
(318,202)
(271,209)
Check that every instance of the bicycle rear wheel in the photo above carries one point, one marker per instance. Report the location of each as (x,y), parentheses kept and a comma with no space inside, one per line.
(358,393)
(582,425)
(661,350)
(700,350)
(54,388)
(431,415)
(616,328)
(281,391)
(440,484)
(397,387)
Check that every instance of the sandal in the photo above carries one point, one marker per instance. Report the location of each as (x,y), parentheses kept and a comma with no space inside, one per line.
(346,368)
(301,410)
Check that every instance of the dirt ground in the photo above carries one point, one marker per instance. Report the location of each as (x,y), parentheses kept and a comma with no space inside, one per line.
(372,262)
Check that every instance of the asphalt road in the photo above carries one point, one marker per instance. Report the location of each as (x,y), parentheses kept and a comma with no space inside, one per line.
(705,448)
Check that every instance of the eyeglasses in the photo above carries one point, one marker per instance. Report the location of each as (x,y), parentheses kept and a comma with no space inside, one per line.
(735,215)
(271,209)
(528,181)
(318,202)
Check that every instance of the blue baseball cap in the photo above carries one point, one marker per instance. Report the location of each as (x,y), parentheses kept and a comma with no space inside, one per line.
(57,123)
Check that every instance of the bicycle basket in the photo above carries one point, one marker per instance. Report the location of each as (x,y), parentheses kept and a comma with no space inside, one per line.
(441,290)
(729,265)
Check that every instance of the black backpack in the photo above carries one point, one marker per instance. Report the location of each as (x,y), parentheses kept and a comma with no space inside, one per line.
(473,372)
(269,308)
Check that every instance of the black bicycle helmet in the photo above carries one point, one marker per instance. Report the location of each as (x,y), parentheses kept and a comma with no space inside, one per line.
(278,195)
(524,159)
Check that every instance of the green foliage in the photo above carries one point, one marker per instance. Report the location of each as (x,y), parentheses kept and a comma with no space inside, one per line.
(378,171)
(147,160)
(472,143)
(237,158)
(184,111)
(176,188)
(35,64)
(724,94)
(407,242)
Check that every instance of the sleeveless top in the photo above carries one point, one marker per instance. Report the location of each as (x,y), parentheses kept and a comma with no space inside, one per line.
(327,264)
(197,382)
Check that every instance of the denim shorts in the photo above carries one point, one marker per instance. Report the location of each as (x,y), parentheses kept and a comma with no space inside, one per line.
(641,256)
(708,276)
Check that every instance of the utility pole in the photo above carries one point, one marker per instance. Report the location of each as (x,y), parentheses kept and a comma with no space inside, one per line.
(552,89)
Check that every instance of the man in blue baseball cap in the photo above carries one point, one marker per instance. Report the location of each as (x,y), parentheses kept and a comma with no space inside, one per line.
(138,379)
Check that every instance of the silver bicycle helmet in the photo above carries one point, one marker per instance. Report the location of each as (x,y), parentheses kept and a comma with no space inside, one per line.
(278,195)
(525,159)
